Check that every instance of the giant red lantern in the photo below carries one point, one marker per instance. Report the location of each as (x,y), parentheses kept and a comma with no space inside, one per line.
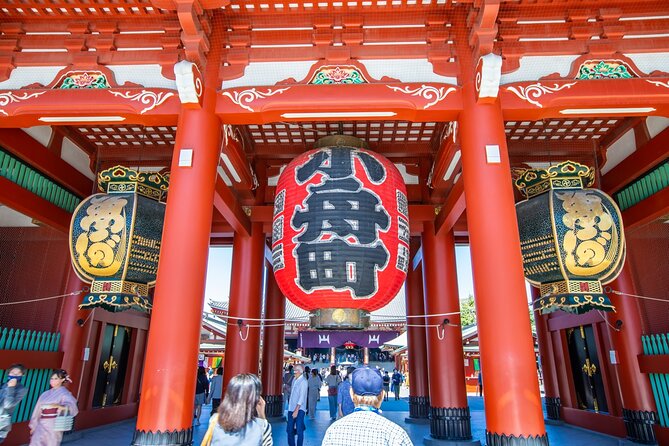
(340,238)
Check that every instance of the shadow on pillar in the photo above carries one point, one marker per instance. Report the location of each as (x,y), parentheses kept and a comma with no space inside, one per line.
(274,407)
(419,410)
(639,426)
(553,405)
(147,438)
(450,426)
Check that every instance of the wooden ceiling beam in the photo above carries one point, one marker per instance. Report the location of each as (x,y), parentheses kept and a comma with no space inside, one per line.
(35,207)
(20,144)
(636,164)
(646,211)
(388,149)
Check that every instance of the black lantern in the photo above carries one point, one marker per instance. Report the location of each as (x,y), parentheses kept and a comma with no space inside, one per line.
(115,238)
(571,237)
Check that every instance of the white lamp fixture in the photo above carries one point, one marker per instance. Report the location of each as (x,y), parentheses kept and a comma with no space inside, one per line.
(318,115)
(81,118)
(605,111)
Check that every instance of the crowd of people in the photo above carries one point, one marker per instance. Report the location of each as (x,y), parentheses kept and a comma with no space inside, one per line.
(354,357)
(301,391)
(52,404)
(354,397)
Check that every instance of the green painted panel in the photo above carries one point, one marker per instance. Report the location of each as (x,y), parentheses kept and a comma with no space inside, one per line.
(3,338)
(650,183)
(658,345)
(22,174)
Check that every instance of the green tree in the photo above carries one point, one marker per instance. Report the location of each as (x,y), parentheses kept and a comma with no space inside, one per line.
(467,311)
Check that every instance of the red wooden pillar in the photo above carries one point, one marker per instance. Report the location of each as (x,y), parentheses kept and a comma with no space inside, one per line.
(73,335)
(449,412)
(168,386)
(242,339)
(639,410)
(272,352)
(512,400)
(419,399)
(546,354)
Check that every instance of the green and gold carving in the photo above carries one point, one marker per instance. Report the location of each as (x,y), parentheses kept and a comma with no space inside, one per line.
(344,74)
(604,69)
(82,79)
(116,236)
(572,239)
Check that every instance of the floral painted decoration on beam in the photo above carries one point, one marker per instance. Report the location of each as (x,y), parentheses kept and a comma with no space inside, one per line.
(242,98)
(345,74)
(604,69)
(428,92)
(533,92)
(149,98)
(8,97)
(82,79)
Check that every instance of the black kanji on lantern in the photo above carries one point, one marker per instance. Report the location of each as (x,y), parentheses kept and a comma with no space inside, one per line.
(351,267)
(351,216)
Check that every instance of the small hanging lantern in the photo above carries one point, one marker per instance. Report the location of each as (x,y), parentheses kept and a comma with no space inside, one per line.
(340,237)
(571,238)
(115,238)
(349,345)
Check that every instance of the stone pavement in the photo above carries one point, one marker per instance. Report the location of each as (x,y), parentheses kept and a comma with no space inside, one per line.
(120,434)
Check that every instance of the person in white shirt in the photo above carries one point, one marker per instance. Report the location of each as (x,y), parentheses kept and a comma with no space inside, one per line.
(296,407)
(366,426)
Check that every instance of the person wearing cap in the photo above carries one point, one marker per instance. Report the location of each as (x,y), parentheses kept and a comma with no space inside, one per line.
(296,407)
(366,426)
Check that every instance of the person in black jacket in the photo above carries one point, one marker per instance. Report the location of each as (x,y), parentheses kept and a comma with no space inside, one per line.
(11,394)
(201,388)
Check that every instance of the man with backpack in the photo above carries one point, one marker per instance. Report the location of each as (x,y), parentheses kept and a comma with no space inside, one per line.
(287,384)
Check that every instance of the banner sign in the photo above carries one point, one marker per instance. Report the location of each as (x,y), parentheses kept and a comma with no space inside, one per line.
(327,339)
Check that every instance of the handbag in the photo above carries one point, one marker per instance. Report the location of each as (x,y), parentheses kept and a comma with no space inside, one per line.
(63,422)
(206,441)
(332,391)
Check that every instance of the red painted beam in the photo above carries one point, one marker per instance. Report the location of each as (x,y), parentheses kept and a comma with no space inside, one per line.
(452,209)
(31,359)
(653,363)
(228,206)
(24,201)
(395,102)
(652,208)
(520,103)
(152,106)
(639,162)
(20,144)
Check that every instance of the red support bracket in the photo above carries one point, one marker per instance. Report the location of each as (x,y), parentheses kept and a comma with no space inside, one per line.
(452,209)
(226,203)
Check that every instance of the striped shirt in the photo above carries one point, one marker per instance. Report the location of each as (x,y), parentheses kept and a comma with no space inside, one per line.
(365,429)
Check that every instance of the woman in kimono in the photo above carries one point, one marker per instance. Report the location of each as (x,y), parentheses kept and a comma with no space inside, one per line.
(55,401)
